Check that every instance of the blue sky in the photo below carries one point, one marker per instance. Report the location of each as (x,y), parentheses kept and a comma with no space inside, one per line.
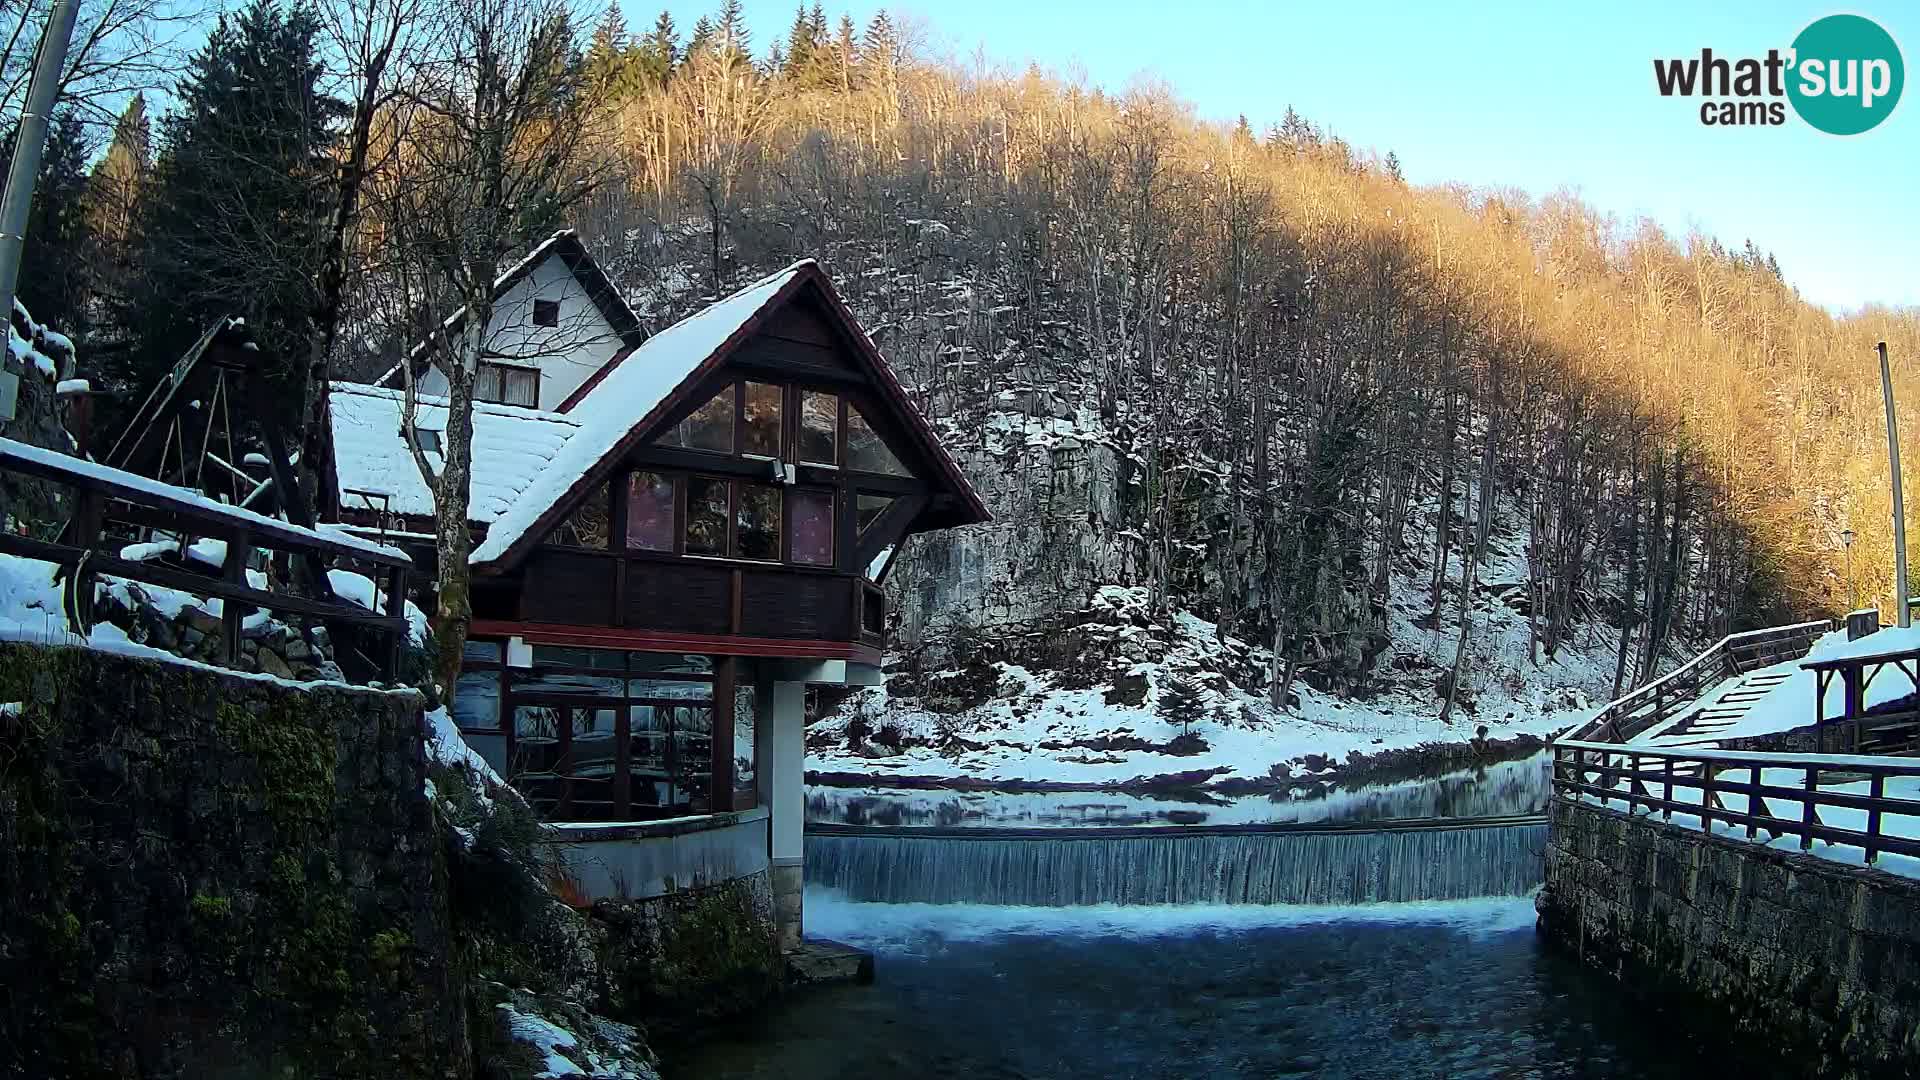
(1538,97)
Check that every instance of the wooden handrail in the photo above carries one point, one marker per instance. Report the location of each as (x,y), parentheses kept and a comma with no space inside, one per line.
(1648,777)
(1620,720)
(103,494)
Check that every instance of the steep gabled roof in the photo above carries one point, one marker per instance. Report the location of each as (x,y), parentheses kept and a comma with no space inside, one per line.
(625,400)
(566,246)
(512,446)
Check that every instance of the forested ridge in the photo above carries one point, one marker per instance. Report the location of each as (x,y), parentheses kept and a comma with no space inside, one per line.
(1253,371)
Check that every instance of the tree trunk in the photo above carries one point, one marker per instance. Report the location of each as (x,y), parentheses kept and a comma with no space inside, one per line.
(1474,554)
(453,543)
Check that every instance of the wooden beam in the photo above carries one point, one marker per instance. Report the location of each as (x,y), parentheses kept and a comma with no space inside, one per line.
(659,641)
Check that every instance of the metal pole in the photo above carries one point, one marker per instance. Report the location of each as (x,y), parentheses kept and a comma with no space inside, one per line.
(28,142)
(1901,604)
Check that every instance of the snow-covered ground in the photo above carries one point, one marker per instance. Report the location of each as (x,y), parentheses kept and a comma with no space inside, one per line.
(1025,734)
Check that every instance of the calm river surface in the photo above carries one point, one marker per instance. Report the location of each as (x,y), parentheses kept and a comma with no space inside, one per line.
(1456,989)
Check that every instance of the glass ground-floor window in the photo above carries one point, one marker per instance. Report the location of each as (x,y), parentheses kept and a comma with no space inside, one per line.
(602,734)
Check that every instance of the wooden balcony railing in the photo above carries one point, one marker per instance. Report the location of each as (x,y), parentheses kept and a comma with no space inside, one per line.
(109,506)
(1741,789)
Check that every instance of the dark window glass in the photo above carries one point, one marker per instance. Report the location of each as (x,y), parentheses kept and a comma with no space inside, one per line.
(866,450)
(546,313)
(481,650)
(562,656)
(760,434)
(545,681)
(759,525)
(819,428)
(649,512)
(671,689)
(588,525)
(868,508)
(813,528)
(744,718)
(476,701)
(706,516)
(709,428)
(648,661)
(692,742)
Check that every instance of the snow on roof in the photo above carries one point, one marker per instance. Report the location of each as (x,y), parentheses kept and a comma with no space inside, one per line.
(167,492)
(512,447)
(630,391)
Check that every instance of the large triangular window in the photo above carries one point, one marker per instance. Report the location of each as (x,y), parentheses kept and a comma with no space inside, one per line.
(866,450)
(710,427)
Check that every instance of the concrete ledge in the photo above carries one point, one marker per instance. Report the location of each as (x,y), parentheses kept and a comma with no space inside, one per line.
(580,832)
(820,962)
(639,859)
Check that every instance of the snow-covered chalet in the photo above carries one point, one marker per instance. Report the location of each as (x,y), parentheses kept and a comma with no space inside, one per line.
(674,536)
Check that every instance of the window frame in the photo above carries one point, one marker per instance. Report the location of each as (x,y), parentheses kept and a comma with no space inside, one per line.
(483,367)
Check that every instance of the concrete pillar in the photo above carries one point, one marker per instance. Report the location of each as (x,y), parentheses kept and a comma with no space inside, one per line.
(780,758)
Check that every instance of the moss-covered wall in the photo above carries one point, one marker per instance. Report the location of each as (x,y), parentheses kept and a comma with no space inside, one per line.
(205,875)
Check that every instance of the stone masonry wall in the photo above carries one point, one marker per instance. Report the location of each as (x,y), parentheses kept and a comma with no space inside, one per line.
(1818,959)
(206,875)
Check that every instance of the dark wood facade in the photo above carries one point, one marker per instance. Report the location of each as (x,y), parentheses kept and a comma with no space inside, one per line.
(607,589)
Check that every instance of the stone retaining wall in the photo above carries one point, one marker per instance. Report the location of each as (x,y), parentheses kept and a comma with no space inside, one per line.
(1817,959)
(209,875)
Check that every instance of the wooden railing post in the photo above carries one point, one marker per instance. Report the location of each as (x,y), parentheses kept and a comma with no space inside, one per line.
(396,608)
(1753,781)
(1666,796)
(1876,791)
(1807,802)
(232,612)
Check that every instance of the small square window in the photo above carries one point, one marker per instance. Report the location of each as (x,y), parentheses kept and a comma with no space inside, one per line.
(546,313)
(426,440)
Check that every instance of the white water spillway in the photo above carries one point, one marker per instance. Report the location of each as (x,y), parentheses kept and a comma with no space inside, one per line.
(1407,861)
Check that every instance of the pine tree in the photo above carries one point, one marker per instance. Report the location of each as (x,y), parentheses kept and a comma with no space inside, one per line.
(608,57)
(704,34)
(801,44)
(235,221)
(114,189)
(1392,165)
(54,278)
(844,49)
(732,29)
(1180,704)
(659,51)
(881,45)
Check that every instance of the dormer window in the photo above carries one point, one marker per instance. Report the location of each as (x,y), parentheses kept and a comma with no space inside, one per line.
(546,313)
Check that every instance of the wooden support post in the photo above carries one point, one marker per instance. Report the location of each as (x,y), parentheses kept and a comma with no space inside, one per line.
(89,508)
(726,683)
(233,612)
(1666,812)
(396,608)
(1753,797)
(1876,791)
(623,763)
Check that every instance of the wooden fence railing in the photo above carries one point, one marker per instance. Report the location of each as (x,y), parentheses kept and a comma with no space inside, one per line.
(1735,788)
(102,497)
(1659,700)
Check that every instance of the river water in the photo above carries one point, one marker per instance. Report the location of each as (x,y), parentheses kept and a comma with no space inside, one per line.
(1457,989)
(1337,950)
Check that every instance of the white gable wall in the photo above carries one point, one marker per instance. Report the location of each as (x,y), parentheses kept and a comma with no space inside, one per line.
(566,354)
